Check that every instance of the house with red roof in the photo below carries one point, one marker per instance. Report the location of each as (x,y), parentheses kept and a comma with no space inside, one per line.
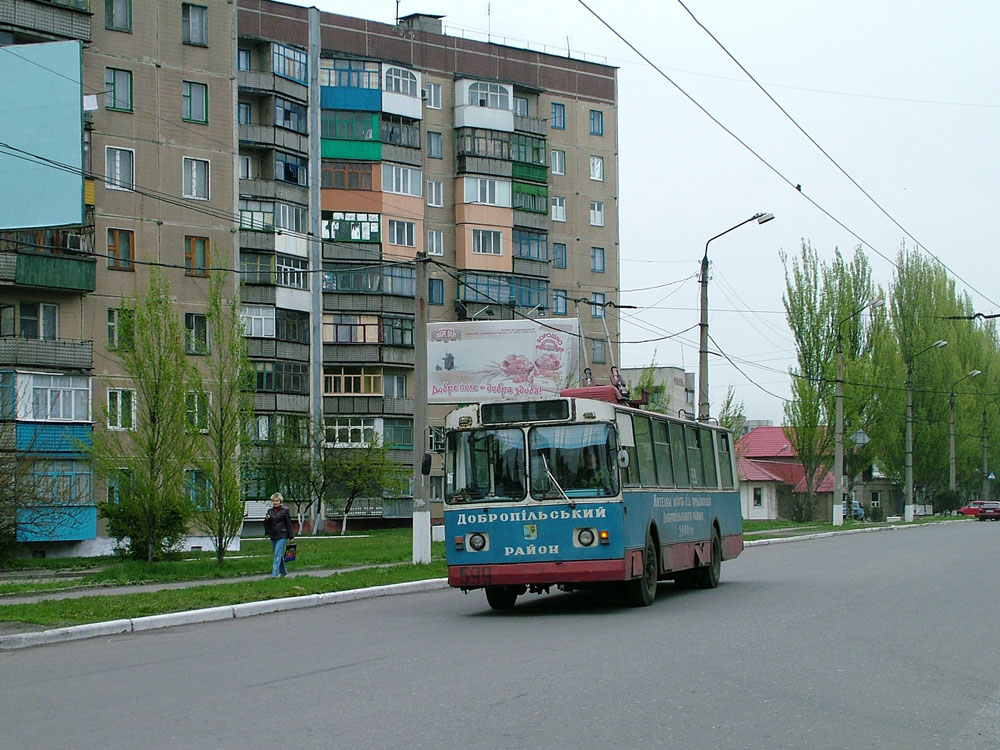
(771,476)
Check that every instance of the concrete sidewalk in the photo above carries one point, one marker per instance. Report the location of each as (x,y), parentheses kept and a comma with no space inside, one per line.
(21,635)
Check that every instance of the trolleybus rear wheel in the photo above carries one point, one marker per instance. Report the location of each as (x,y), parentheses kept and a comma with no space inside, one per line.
(707,577)
(501,597)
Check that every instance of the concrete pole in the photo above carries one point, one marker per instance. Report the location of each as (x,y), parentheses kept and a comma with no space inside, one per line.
(703,409)
(951,443)
(421,487)
(986,481)
(838,446)
(908,508)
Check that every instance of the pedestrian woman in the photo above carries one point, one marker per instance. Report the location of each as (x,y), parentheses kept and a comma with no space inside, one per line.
(278,526)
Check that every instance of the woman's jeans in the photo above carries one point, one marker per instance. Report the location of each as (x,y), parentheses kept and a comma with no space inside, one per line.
(278,566)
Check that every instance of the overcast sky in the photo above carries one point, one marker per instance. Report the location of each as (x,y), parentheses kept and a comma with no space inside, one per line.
(903,95)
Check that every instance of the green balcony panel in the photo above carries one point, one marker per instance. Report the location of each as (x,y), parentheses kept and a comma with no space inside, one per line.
(351,150)
(533,172)
(45,271)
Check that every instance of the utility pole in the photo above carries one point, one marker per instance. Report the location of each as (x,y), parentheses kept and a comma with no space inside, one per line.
(421,488)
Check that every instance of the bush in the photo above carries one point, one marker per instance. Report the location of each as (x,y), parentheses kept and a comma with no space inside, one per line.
(946,501)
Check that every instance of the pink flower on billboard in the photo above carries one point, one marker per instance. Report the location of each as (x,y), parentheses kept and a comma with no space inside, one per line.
(548,366)
(518,368)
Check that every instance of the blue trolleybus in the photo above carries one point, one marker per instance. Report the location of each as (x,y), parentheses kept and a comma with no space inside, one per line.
(581,491)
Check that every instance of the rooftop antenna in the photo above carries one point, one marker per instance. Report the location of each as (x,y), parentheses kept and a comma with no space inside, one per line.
(397,12)
(489,22)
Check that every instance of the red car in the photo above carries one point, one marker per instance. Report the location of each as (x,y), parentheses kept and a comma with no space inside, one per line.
(989,512)
(972,509)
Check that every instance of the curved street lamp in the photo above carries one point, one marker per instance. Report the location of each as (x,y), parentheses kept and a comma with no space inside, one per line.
(760,218)
(908,507)
(951,444)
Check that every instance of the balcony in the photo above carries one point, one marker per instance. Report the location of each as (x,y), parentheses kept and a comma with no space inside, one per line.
(61,19)
(274,190)
(468,164)
(367,354)
(533,125)
(268,135)
(367,405)
(252,240)
(256,80)
(60,354)
(71,273)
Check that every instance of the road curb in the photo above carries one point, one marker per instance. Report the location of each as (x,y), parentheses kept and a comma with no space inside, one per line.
(845,532)
(212,614)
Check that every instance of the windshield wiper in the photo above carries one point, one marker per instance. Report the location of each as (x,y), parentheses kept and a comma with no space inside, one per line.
(545,463)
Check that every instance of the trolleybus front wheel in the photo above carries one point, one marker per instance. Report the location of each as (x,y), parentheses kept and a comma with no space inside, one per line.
(502,597)
(641,591)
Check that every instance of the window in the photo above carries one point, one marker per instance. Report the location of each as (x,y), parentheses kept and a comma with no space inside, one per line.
(118,15)
(597,305)
(289,168)
(194,102)
(558,208)
(355,74)
(292,271)
(194,24)
(559,302)
(258,321)
(596,122)
(492,95)
(597,168)
(558,255)
(290,217)
(433,95)
(244,113)
(558,120)
(118,90)
(244,60)
(341,175)
(399,131)
(196,178)
(435,242)
(402,233)
(39,320)
(60,398)
(491,144)
(758,497)
(288,114)
(528,149)
(435,291)
(400,81)
(558,162)
(597,213)
(487,242)
(120,329)
(197,407)
(395,386)
(355,432)
(121,409)
(282,377)
(521,106)
(350,329)
(120,249)
(401,180)
(398,433)
(488,191)
(198,488)
(292,325)
(435,193)
(289,62)
(256,215)
(349,125)
(528,244)
(350,381)
(597,259)
(597,351)
(196,256)
(195,333)
(875,500)
(435,145)
(398,331)
(118,170)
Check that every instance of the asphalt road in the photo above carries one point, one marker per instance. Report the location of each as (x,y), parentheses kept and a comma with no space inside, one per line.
(878,640)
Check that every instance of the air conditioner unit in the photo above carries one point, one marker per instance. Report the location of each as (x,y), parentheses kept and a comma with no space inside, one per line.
(74,242)
(423,93)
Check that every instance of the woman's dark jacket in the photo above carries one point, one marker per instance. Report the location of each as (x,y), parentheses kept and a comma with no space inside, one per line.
(278,523)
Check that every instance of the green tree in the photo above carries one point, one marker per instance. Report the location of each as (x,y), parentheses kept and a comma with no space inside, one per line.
(144,461)
(367,471)
(222,406)
(732,415)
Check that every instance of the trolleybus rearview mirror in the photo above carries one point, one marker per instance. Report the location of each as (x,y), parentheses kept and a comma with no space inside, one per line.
(623,459)
(425,466)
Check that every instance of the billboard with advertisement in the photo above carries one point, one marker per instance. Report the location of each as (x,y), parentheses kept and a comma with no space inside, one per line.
(499,360)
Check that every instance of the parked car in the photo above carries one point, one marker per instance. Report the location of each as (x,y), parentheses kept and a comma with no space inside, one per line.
(989,512)
(853,509)
(972,509)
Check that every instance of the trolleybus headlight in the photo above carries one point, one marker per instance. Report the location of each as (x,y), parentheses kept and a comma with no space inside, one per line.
(585,537)
(477,542)
(605,537)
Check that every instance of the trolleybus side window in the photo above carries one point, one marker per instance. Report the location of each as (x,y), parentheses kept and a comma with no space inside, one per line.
(644,451)
(696,468)
(708,453)
(661,451)
(725,462)
(679,455)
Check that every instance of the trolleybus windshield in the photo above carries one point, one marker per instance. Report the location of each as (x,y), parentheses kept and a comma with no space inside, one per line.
(579,457)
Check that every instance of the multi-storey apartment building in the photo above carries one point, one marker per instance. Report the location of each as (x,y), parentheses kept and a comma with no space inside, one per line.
(319,155)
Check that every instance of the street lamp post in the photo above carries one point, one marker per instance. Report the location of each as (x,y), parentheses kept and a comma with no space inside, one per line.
(838,445)
(952,483)
(703,414)
(908,508)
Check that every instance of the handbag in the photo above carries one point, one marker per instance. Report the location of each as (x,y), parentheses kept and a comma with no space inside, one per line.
(290,550)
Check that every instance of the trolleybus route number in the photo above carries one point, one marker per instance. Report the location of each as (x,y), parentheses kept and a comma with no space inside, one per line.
(475,574)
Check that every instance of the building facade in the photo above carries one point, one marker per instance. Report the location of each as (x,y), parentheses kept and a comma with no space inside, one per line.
(316,156)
